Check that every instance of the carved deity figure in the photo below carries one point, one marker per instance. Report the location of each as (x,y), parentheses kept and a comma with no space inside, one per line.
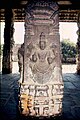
(41,59)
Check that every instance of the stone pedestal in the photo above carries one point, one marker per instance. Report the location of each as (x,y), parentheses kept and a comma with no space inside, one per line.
(42,85)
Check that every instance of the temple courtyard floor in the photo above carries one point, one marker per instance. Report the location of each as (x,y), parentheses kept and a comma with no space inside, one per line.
(10,89)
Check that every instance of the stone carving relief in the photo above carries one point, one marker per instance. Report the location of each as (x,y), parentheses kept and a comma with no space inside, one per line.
(40,100)
(57,89)
(41,89)
(20,61)
(41,60)
(42,14)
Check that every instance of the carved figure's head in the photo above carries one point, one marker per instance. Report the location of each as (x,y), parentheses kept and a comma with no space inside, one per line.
(42,45)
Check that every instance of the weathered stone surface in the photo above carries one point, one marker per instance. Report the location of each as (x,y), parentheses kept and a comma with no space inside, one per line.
(41,77)
(78,45)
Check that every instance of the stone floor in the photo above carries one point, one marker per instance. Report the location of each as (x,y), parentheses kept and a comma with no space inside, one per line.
(9,97)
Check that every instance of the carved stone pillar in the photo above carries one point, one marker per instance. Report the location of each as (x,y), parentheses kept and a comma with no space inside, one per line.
(8,42)
(41,90)
(78,45)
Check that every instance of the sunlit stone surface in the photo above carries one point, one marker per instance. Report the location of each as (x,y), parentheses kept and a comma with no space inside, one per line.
(41,90)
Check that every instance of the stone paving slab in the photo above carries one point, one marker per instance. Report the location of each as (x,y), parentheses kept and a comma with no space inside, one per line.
(9,97)
(69,85)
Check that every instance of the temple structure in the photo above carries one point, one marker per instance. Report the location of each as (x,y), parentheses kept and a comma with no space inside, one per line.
(41,83)
(69,11)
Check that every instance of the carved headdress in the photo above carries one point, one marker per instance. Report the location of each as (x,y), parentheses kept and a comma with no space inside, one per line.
(42,41)
(42,36)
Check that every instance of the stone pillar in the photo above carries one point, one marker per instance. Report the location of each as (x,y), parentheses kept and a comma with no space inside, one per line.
(78,45)
(41,90)
(8,42)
